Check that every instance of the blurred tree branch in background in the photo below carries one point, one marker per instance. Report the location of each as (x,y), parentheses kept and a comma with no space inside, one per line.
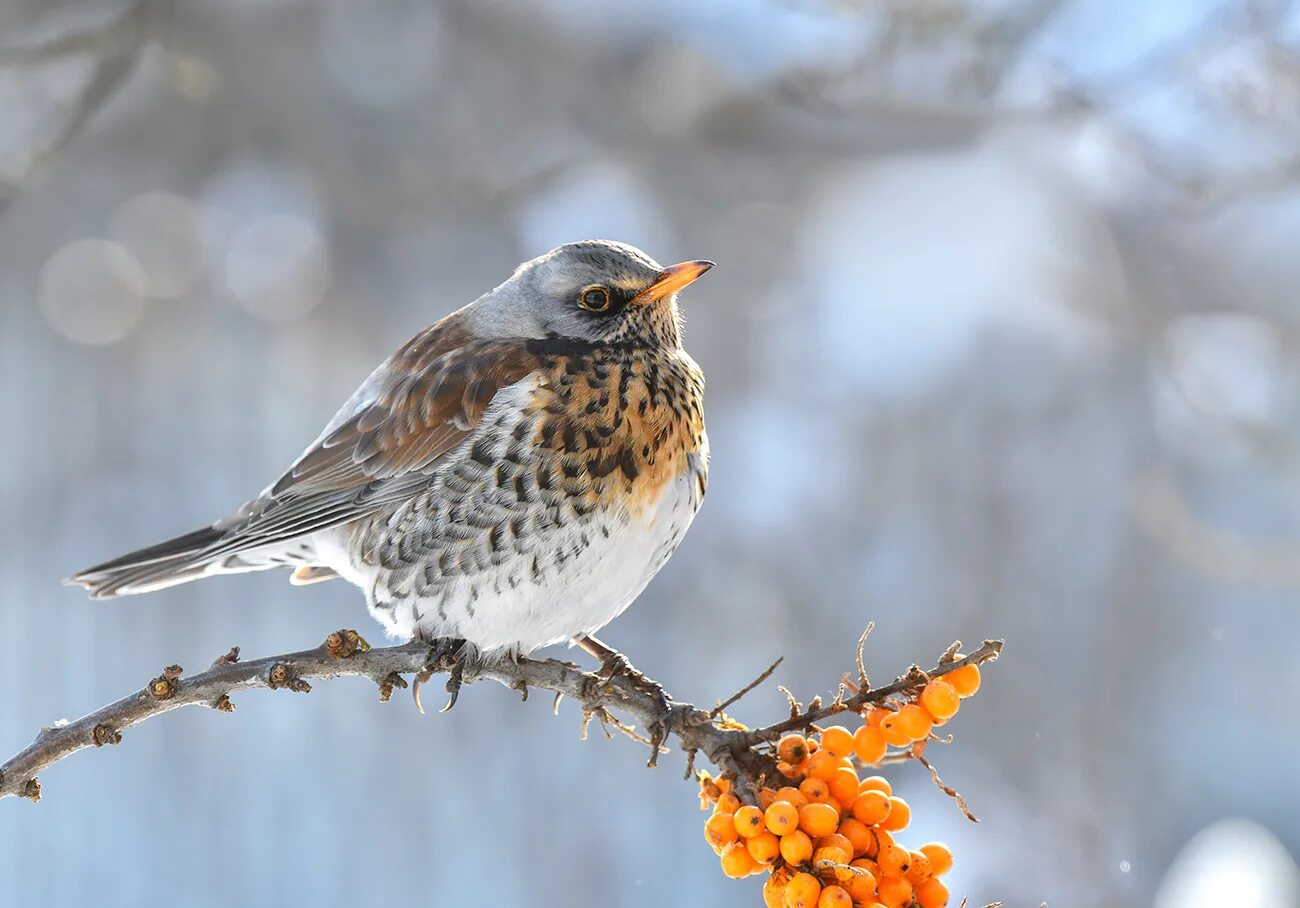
(70,72)
(742,754)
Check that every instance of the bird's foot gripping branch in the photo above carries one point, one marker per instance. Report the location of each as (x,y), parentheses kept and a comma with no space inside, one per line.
(787,800)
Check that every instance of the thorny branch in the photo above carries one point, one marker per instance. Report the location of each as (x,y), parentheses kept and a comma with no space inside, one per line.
(740,753)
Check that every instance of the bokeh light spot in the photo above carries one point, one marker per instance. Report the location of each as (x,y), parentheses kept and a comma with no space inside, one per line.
(92,291)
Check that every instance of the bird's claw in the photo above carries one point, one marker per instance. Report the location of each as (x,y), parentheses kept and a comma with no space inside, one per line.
(616,665)
(448,654)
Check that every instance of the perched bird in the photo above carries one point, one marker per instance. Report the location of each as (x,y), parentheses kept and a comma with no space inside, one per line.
(513,476)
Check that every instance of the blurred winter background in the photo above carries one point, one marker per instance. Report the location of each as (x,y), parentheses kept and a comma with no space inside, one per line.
(1003,342)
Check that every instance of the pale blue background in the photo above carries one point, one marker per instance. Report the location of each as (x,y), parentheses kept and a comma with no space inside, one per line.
(1002,342)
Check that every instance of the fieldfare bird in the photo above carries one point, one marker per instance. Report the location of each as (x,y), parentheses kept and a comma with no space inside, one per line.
(513,476)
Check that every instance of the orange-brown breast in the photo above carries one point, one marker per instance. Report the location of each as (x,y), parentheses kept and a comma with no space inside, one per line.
(617,424)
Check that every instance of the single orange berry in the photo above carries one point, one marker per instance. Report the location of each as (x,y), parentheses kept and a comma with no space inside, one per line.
(818,819)
(774,891)
(727,803)
(766,797)
(791,795)
(837,840)
(915,722)
(862,887)
(720,831)
(920,869)
(900,814)
(932,894)
(871,807)
(844,787)
(796,847)
(874,715)
(879,839)
(858,834)
(965,680)
(877,783)
(837,741)
(815,790)
(736,862)
(763,848)
(891,727)
(793,749)
(781,817)
(830,854)
(802,891)
(834,897)
(894,891)
(869,744)
(822,765)
(894,860)
(940,857)
(749,821)
(940,699)
(788,770)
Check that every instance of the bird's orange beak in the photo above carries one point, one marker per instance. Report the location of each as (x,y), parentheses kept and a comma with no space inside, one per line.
(672,279)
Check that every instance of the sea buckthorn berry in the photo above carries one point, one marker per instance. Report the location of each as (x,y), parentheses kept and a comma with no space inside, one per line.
(774,891)
(894,891)
(764,847)
(749,821)
(894,860)
(869,744)
(874,715)
(720,831)
(781,817)
(793,749)
(736,862)
(787,770)
(766,797)
(940,857)
(815,790)
(965,680)
(844,787)
(920,869)
(877,783)
(831,853)
(900,814)
(834,897)
(915,722)
(822,765)
(892,728)
(836,840)
(727,803)
(818,819)
(791,795)
(837,741)
(879,839)
(932,894)
(862,887)
(858,834)
(940,699)
(796,847)
(802,891)
(871,807)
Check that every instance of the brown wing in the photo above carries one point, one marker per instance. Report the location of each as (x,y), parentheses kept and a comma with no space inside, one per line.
(424,402)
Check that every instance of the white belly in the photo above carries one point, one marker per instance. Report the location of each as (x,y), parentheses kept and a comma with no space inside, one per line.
(505,608)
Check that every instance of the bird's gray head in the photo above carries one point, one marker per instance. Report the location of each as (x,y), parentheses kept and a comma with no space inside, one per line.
(596,290)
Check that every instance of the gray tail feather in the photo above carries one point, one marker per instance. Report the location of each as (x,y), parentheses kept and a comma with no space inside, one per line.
(157,567)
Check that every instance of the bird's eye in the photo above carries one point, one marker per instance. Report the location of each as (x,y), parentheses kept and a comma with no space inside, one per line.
(594,299)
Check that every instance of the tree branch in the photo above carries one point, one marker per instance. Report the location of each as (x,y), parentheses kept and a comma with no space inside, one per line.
(738,752)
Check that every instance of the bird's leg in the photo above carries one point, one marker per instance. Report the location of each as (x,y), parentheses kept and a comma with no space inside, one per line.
(614,664)
(445,653)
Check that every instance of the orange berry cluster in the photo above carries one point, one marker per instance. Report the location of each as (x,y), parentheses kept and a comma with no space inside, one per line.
(827,838)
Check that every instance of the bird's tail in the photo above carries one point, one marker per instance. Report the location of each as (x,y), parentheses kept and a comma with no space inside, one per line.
(169,563)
